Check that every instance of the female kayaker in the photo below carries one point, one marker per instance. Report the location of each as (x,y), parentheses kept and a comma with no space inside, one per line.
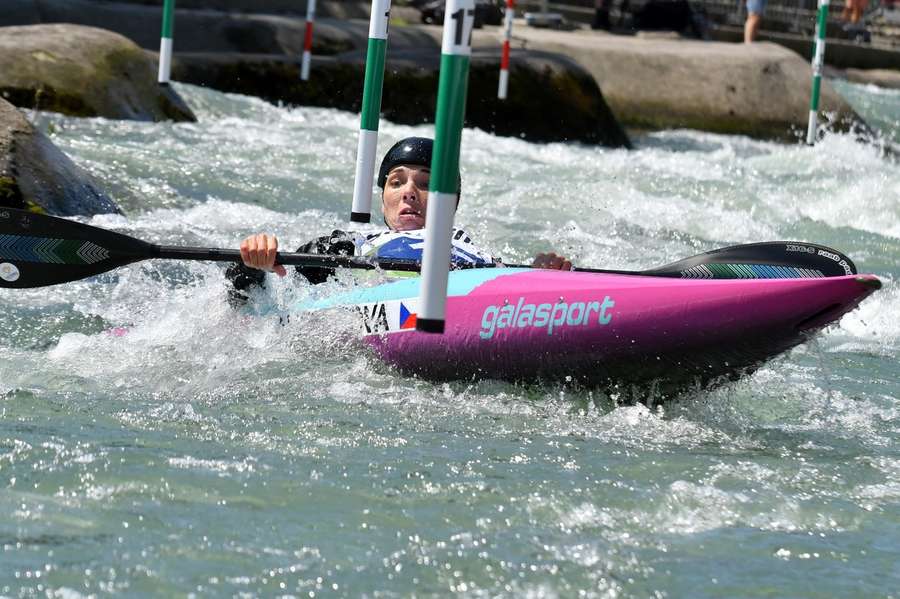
(403,177)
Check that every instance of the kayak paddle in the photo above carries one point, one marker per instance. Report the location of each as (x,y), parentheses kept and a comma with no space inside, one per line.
(38,250)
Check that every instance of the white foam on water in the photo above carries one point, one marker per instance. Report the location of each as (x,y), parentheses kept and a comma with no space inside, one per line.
(67,593)
(872,327)
(221,467)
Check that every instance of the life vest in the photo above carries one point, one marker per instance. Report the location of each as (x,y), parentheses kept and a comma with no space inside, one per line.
(409,245)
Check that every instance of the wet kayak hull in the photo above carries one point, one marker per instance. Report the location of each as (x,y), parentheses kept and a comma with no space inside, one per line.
(598,329)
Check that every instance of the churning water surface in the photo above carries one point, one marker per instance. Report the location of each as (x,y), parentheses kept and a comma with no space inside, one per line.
(154,441)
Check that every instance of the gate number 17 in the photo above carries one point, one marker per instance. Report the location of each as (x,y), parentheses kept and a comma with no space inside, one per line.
(462,18)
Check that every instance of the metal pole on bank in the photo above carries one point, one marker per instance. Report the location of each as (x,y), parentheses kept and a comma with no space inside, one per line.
(165,42)
(307,39)
(361,210)
(504,57)
(818,60)
(456,50)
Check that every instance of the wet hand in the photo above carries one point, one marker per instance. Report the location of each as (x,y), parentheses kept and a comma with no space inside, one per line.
(258,251)
(552,261)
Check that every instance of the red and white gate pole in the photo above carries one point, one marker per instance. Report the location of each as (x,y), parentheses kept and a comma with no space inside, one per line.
(504,58)
(307,40)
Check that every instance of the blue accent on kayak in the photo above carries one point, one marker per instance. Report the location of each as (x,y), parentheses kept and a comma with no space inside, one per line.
(460,282)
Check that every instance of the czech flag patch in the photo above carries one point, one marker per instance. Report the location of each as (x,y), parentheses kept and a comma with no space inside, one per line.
(407,318)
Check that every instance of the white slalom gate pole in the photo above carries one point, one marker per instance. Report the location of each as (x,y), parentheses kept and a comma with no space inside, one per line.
(376,52)
(818,60)
(165,42)
(456,51)
(503,86)
(307,39)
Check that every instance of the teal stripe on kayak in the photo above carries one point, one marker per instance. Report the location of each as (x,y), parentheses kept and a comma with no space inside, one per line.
(742,271)
(460,282)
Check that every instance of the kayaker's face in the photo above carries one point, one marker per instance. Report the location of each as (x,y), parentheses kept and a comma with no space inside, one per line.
(405,197)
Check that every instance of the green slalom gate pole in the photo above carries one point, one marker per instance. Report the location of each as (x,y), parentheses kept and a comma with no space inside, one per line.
(817,61)
(165,42)
(456,50)
(361,210)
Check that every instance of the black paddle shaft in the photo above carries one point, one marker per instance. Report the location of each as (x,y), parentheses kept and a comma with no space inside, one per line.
(285,258)
(38,250)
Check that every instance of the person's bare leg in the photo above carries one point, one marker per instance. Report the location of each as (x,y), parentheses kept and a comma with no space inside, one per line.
(751,26)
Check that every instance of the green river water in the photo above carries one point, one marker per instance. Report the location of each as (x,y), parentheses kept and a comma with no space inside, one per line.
(209,453)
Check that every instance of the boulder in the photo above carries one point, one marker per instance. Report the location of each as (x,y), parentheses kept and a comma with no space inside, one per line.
(339,9)
(759,89)
(195,30)
(35,175)
(83,71)
(551,98)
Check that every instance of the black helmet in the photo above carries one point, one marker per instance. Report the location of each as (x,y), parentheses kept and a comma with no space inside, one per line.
(412,150)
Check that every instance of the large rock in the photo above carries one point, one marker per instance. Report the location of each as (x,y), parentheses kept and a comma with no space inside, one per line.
(340,9)
(83,71)
(221,26)
(551,98)
(759,89)
(35,175)
(195,30)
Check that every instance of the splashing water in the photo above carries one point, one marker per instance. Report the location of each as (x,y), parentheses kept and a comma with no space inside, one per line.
(153,441)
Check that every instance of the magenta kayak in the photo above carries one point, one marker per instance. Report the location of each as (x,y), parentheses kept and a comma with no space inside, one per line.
(601,329)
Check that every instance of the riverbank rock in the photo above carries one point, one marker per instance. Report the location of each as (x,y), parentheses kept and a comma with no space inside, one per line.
(36,175)
(224,26)
(339,9)
(195,30)
(759,89)
(83,71)
(551,98)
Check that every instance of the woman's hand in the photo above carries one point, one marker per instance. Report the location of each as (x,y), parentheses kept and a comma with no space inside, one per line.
(258,251)
(552,261)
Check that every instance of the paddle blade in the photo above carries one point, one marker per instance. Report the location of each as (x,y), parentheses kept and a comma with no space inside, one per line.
(769,260)
(38,250)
